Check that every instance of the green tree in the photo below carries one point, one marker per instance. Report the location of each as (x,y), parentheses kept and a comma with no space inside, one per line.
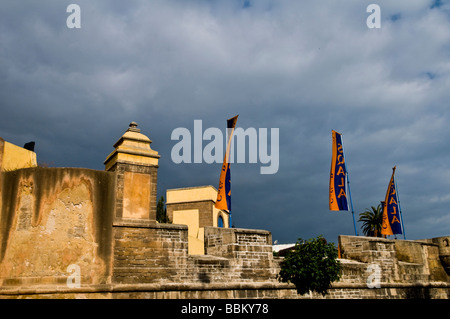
(311,266)
(161,212)
(372,220)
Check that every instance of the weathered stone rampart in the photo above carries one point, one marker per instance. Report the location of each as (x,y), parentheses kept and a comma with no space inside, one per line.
(151,260)
(52,218)
(81,233)
(386,268)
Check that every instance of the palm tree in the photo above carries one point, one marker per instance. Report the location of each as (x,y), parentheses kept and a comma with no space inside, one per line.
(372,220)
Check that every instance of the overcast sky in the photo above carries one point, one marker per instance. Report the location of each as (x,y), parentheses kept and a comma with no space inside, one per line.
(305,67)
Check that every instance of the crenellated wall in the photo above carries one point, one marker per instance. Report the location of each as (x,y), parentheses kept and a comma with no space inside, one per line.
(81,233)
(54,218)
(386,268)
(147,252)
(151,260)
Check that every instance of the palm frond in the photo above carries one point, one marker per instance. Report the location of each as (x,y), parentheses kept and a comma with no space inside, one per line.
(372,220)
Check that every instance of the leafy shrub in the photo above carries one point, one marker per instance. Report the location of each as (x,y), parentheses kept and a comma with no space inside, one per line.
(311,266)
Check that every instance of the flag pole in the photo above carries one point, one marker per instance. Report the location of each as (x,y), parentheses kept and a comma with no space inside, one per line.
(351,203)
(223,200)
(399,208)
(348,187)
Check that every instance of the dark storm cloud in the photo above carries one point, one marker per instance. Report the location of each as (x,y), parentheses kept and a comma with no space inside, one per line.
(303,67)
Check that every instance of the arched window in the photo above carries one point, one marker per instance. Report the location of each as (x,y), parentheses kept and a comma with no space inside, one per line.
(220,221)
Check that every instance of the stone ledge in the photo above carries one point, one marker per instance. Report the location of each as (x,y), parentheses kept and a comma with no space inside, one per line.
(242,230)
(108,288)
(208,259)
(145,223)
(406,263)
(167,287)
(346,285)
(351,261)
(359,239)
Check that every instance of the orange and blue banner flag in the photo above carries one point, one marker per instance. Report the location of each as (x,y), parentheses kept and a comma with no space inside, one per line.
(338,175)
(391,223)
(224,192)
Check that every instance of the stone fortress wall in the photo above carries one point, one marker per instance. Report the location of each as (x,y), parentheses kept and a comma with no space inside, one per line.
(82,233)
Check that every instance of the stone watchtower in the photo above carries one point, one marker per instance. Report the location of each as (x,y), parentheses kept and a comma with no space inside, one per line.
(136,165)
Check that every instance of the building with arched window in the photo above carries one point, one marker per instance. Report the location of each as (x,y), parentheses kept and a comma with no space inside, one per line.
(194,207)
